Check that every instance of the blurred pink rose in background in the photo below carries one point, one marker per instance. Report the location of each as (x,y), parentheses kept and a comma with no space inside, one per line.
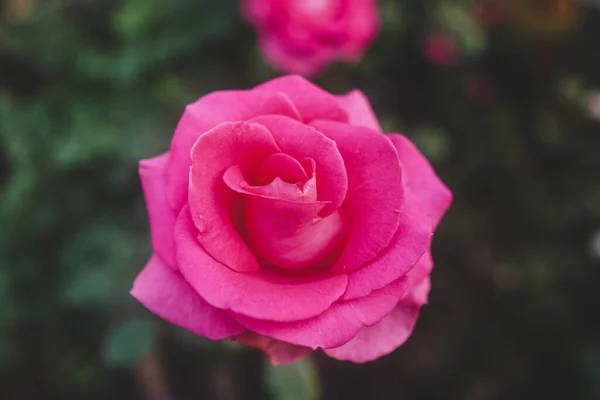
(304,36)
(283,218)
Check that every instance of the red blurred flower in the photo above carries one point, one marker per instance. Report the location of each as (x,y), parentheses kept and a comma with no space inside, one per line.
(440,50)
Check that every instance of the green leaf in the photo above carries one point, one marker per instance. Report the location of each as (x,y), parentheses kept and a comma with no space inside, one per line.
(298,381)
(129,342)
(88,287)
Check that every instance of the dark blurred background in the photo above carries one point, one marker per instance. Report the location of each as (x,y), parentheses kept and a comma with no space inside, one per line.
(502,96)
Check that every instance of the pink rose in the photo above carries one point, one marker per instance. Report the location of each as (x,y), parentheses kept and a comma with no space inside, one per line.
(303,36)
(284,219)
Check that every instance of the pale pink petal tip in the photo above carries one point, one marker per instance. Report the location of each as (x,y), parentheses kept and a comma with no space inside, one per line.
(165,293)
(378,340)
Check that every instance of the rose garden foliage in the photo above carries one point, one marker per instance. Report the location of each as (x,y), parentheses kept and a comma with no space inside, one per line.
(496,94)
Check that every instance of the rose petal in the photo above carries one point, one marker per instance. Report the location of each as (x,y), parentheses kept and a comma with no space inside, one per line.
(292,236)
(311,101)
(165,293)
(276,190)
(211,202)
(162,217)
(375,341)
(301,141)
(419,293)
(283,166)
(412,239)
(393,331)
(381,339)
(262,294)
(283,225)
(359,109)
(375,193)
(418,278)
(421,178)
(336,326)
(205,114)
(280,353)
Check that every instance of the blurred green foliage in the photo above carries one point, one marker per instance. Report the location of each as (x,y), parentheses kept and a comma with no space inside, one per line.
(89,87)
(292,382)
(129,342)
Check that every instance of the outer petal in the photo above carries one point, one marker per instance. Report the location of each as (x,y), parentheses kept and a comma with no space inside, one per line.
(280,353)
(375,193)
(389,334)
(419,293)
(311,101)
(337,325)
(421,178)
(412,239)
(359,110)
(381,339)
(262,294)
(205,114)
(301,141)
(210,200)
(419,279)
(165,293)
(162,216)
